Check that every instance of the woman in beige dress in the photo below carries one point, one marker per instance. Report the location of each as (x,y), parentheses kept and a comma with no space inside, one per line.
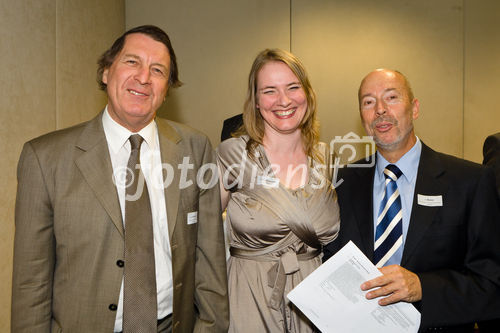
(281,206)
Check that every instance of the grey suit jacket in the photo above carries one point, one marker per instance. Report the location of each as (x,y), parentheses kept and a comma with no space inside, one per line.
(69,234)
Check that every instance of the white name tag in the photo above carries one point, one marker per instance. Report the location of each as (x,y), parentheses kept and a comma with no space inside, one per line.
(430,200)
(268,181)
(192,218)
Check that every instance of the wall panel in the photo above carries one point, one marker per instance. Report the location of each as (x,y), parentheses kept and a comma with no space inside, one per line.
(482,75)
(27,41)
(341,41)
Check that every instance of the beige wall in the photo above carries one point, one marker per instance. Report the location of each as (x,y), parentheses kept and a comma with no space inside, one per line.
(28,51)
(482,74)
(49,52)
(341,41)
(443,46)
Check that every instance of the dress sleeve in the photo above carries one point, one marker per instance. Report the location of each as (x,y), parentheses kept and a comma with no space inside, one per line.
(325,163)
(231,160)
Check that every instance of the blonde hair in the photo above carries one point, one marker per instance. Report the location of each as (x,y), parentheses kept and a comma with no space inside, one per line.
(253,123)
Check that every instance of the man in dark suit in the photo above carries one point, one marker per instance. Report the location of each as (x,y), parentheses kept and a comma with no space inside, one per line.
(491,154)
(73,209)
(430,222)
(230,126)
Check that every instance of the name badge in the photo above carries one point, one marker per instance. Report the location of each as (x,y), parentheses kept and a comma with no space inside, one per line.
(430,200)
(192,218)
(267,181)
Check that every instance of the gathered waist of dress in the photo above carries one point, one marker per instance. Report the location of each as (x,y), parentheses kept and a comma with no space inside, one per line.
(286,264)
(274,252)
(266,255)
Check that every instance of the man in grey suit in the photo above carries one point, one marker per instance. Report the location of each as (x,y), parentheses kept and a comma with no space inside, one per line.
(69,252)
(436,235)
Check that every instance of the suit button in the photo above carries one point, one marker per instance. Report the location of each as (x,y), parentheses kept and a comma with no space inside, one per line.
(120,263)
(113,307)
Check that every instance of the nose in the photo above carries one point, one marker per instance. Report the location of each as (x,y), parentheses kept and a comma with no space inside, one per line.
(380,108)
(143,75)
(284,99)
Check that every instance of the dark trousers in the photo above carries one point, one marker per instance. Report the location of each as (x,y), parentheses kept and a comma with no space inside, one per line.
(165,324)
(468,328)
(490,326)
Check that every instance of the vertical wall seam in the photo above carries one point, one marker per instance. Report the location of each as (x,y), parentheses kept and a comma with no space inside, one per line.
(464,47)
(124,16)
(56,108)
(290,30)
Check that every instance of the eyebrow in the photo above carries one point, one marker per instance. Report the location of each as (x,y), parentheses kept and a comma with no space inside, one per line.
(130,55)
(274,87)
(385,91)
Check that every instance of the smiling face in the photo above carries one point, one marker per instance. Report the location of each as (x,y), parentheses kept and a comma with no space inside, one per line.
(137,81)
(387,112)
(281,99)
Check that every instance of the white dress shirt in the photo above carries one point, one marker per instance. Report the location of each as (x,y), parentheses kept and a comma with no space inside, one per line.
(151,165)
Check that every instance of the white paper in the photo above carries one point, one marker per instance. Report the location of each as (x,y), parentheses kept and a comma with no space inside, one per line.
(332,299)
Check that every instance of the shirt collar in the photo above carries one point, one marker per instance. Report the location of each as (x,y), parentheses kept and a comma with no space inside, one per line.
(408,163)
(117,135)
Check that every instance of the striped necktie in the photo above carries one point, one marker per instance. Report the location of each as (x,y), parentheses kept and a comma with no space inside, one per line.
(389,230)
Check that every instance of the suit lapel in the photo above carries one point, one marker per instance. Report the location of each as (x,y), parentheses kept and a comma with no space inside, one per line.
(427,183)
(95,166)
(362,202)
(172,157)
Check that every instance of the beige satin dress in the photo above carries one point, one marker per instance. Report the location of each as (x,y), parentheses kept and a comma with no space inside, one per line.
(276,235)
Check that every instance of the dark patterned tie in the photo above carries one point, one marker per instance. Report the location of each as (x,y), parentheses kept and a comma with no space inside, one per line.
(389,230)
(139,292)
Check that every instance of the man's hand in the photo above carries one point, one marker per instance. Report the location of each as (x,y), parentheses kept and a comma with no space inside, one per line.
(397,283)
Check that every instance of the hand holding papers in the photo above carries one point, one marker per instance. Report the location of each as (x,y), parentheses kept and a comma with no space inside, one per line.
(332,299)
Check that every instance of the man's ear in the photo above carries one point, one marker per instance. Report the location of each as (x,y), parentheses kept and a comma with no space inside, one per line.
(415,108)
(105,76)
